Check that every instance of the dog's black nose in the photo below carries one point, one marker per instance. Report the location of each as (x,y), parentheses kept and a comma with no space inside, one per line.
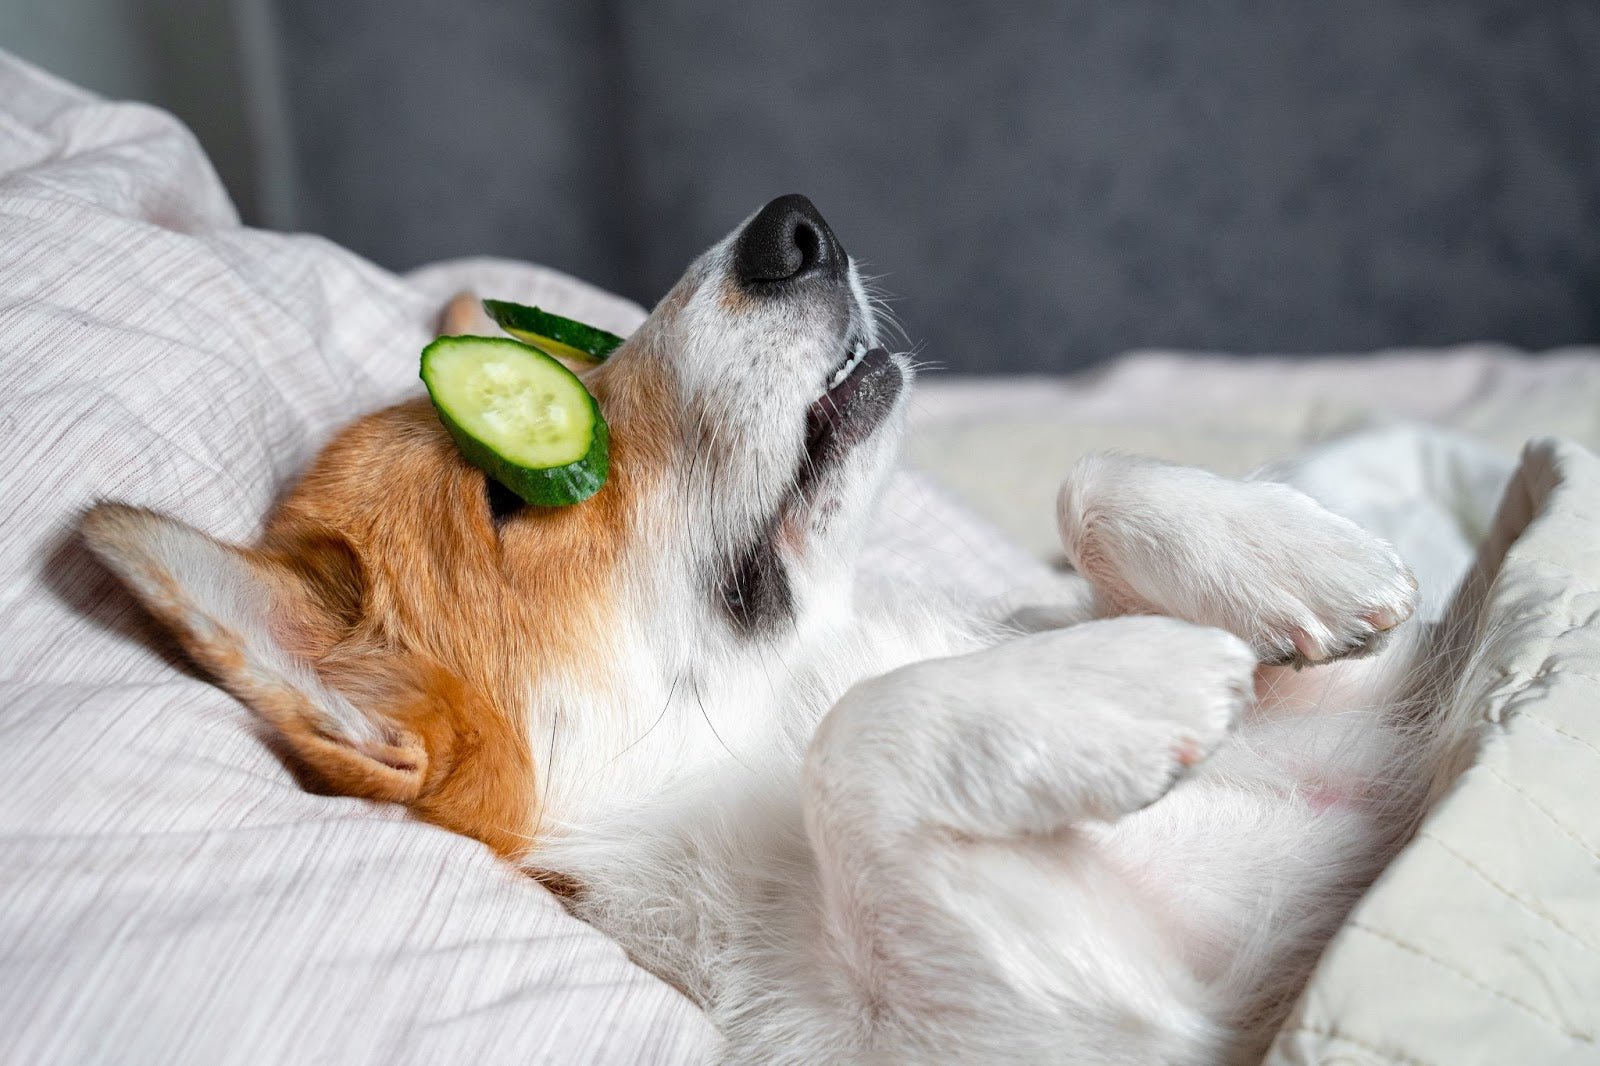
(787,240)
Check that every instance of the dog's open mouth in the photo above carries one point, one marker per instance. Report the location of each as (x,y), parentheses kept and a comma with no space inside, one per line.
(857,397)
(860,392)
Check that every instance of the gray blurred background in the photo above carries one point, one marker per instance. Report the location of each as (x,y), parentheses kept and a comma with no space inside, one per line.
(1042,184)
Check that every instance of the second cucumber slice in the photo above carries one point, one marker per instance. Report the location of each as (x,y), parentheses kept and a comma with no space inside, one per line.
(520,416)
(565,338)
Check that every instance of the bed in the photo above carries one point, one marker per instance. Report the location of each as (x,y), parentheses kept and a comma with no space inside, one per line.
(170,894)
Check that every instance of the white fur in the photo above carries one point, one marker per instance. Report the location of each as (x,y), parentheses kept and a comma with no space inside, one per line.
(896,833)
(890,832)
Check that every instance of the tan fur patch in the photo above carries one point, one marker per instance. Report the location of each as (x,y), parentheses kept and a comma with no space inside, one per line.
(384,572)
(733,299)
(455,618)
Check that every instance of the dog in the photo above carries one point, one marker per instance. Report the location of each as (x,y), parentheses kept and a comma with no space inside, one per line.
(1115,826)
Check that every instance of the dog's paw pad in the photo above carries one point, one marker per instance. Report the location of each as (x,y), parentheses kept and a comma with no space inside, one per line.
(1340,606)
(1302,649)
(1188,751)
(1307,647)
(1215,685)
(1384,618)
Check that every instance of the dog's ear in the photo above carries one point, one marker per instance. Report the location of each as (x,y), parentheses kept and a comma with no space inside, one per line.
(258,621)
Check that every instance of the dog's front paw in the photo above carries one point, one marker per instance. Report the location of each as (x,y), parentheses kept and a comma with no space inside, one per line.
(1195,686)
(1258,559)
(1034,734)
(1138,701)
(1330,591)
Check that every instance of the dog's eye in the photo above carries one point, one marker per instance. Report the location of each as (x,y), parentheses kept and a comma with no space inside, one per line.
(503,503)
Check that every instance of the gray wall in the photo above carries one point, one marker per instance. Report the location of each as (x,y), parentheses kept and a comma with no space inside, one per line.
(1042,184)
(199,59)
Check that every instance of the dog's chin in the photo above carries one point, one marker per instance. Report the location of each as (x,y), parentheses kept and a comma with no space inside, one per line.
(846,435)
(861,396)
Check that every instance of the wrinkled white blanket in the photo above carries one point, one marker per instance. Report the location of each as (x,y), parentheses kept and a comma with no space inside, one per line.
(168,893)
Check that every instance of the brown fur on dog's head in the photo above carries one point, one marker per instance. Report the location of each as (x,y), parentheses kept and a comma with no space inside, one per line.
(411,641)
(385,623)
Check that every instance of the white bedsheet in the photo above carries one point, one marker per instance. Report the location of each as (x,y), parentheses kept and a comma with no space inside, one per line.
(168,892)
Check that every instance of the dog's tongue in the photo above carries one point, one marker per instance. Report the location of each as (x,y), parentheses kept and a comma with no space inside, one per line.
(847,414)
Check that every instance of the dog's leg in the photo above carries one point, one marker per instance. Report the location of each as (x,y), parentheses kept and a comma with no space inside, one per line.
(1430,492)
(950,805)
(1259,559)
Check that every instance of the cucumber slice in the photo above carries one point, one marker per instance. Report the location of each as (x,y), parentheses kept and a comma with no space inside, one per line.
(563,338)
(520,416)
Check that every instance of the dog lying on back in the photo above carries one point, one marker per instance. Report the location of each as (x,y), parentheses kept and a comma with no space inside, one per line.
(852,830)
